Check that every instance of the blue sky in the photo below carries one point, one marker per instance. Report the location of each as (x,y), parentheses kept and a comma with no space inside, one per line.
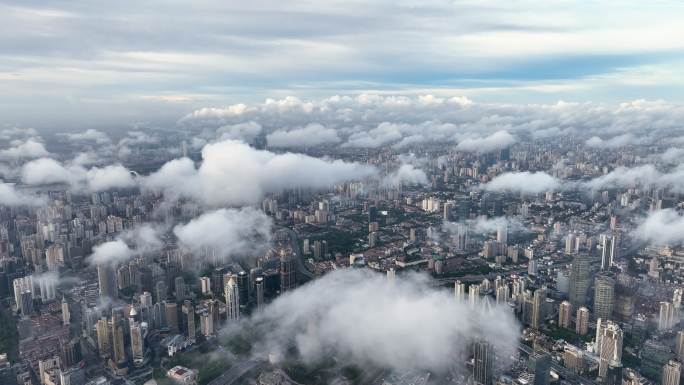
(82,63)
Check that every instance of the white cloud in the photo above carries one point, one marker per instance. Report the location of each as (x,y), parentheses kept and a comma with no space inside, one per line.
(309,136)
(495,141)
(10,196)
(246,131)
(644,175)
(615,142)
(362,319)
(524,182)
(138,241)
(89,135)
(29,149)
(48,171)
(406,174)
(662,227)
(226,232)
(111,252)
(673,155)
(233,173)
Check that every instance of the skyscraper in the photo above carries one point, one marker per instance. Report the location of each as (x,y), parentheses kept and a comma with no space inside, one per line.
(473,294)
(538,302)
(540,365)
(564,314)
(582,321)
(671,373)
(679,346)
(243,288)
(608,346)
(579,280)
(118,348)
(137,341)
(483,360)
(604,296)
(607,251)
(666,316)
(179,285)
(232,295)
(171,316)
(106,279)
(287,271)
(104,344)
(459,291)
(66,315)
(188,319)
(259,288)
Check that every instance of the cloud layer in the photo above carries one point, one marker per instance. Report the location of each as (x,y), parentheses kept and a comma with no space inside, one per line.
(360,318)
(226,232)
(524,182)
(233,173)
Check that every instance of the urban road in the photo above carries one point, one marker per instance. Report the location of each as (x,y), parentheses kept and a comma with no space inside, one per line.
(236,372)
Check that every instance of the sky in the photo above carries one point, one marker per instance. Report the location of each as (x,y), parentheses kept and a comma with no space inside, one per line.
(79,64)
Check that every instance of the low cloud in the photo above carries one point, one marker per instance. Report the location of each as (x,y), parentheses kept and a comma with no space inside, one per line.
(226,232)
(233,173)
(247,132)
(10,196)
(484,225)
(309,136)
(141,240)
(362,319)
(29,149)
(645,175)
(407,174)
(89,135)
(48,171)
(493,142)
(524,182)
(614,142)
(661,227)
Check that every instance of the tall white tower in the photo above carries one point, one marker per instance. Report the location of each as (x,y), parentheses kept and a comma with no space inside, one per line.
(232,300)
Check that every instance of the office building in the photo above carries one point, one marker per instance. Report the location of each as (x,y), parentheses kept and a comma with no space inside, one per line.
(565,314)
(582,321)
(483,363)
(232,296)
(580,279)
(604,297)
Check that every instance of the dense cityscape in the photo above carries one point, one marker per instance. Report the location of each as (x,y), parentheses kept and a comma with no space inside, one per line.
(492,259)
(339,192)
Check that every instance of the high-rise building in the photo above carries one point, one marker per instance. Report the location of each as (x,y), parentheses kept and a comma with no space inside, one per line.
(205,284)
(608,346)
(106,279)
(459,291)
(232,295)
(243,288)
(582,321)
(473,294)
(287,271)
(160,291)
(502,294)
(206,323)
(70,352)
(666,316)
(259,289)
(483,363)
(502,235)
(118,348)
(179,285)
(538,302)
(391,274)
(679,346)
(66,315)
(138,333)
(580,276)
(104,339)
(188,319)
(171,316)
(565,314)
(604,296)
(671,373)
(540,365)
(607,251)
